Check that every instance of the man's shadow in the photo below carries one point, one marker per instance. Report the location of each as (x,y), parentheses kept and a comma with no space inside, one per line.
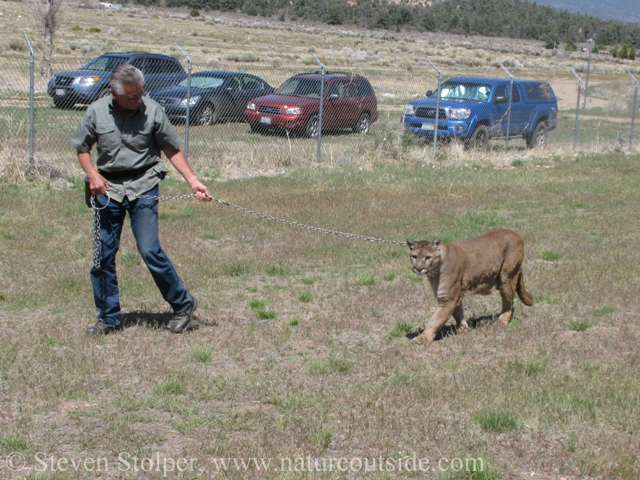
(450,329)
(157,320)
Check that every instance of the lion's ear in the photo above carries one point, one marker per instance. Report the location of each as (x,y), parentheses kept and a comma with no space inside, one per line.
(436,244)
(411,244)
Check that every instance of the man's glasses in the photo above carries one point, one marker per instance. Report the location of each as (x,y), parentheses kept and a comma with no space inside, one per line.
(134,98)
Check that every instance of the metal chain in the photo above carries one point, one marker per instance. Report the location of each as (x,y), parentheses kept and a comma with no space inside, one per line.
(96,223)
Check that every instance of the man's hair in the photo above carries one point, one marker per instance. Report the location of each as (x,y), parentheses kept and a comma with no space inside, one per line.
(125,74)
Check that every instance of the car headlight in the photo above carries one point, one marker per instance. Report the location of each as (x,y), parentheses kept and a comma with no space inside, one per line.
(293,110)
(409,109)
(459,113)
(191,101)
(251,106)
(88,80)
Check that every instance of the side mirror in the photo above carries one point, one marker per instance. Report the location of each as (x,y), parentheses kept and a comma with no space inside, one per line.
(429,93)
(333,96)
(500,99)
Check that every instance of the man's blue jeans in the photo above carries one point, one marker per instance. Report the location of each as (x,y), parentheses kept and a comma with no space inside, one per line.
(143,214)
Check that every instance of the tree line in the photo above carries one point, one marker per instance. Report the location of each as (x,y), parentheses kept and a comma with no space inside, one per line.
(493,18)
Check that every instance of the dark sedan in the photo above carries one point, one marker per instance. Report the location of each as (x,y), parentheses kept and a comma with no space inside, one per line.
(216,95)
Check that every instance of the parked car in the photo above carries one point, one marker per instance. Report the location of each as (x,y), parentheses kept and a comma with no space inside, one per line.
(475,110)
(90,82)
(216,95)
(349,102)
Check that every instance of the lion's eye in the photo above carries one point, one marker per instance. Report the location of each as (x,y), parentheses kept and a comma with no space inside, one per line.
(427,258)
(415,257)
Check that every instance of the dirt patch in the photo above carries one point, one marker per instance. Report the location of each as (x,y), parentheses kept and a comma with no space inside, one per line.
(567,93)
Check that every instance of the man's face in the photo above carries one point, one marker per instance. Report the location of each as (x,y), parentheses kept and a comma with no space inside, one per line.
(131,99)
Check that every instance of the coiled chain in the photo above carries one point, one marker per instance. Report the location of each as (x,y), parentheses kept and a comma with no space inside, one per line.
(96,223)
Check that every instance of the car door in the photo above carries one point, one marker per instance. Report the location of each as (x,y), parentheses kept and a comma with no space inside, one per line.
(252,87)
(336,105)
(231,97)
(500,110)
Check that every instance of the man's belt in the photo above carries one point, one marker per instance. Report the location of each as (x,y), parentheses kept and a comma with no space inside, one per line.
(120,174)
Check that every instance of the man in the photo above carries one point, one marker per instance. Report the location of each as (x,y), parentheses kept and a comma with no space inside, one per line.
(131,132)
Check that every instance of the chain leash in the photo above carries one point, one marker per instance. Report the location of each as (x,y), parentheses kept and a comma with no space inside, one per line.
(96,223)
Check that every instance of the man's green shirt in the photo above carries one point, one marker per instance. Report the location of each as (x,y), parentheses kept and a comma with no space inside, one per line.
(127,144)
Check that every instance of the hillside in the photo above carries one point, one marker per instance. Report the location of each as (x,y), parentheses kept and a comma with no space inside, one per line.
(619,10)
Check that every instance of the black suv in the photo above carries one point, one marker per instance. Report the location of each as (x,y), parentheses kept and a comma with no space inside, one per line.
(91,81)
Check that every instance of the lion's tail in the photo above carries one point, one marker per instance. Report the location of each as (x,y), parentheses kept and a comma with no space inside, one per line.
(525,297)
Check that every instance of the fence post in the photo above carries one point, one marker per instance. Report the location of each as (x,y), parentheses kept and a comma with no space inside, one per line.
(586,84)
(186,130)
(575,130)
(321,104)
(435,128)
(633,113)
(32,166)
(506,145)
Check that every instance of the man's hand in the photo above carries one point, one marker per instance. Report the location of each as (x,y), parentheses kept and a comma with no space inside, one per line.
(98,185)
(201,191)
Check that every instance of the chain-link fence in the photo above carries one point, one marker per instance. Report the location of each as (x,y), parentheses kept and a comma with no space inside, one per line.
(39,115)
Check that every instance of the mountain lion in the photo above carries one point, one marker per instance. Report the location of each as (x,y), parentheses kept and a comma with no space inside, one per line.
(474,266)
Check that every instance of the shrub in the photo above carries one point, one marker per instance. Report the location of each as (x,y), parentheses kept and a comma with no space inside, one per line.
(93,30)
(624,51)
(17,45)
(632,53)
(194,12)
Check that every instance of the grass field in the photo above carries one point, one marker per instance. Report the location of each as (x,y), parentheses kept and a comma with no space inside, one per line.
(303,350)
(302,365)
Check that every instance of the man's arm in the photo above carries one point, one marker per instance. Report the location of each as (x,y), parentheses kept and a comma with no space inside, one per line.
(178,160)
(97,183)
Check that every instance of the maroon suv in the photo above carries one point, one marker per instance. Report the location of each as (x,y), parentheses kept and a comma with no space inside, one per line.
(349,102)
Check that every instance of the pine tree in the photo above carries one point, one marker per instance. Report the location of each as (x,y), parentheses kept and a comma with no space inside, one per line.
(624,51)
(632,53)
(614,52)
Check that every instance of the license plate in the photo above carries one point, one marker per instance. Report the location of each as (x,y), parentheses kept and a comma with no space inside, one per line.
(60,92)
(266,120)
(428,126)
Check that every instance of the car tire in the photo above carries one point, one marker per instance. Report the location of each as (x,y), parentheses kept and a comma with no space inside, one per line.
(63,103)
(479,139)
(207,115)
(363,124)
(313,126)
(538,139)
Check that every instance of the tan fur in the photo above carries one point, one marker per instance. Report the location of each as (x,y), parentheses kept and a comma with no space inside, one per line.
(475,266)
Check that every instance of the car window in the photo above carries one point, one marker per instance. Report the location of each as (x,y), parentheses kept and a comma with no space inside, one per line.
(337,89)
(538,91)
(236,84)
(139,63)
(300,87)
(251,83)
(155,65)
(364,89)
(503,91)
(203,82)
(465,91)
(104,63)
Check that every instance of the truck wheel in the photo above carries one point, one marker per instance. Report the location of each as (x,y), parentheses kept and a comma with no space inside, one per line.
(538,139)
(479,139)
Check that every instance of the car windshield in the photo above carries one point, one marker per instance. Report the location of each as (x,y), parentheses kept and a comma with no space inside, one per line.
(203,82)
(300,87)
(464,91)
(104,63)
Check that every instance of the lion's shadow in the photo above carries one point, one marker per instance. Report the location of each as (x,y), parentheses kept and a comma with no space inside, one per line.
(450,329)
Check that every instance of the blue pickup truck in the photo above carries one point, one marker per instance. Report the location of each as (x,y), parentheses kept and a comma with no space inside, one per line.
(474,110)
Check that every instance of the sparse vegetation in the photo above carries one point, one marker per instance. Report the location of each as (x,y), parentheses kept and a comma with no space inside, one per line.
(303,341)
